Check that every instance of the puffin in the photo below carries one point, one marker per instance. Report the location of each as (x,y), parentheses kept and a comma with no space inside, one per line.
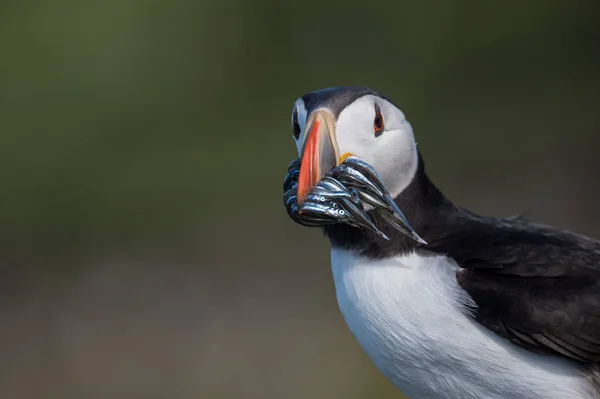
(481,307)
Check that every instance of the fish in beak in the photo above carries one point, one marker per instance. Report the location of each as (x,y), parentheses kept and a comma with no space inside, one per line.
(351,181)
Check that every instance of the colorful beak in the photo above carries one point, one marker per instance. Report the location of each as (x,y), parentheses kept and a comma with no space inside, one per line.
(319,154)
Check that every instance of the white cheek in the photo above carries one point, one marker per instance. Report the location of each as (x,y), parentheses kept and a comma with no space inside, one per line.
(393,155)
(355,138)
(398,160)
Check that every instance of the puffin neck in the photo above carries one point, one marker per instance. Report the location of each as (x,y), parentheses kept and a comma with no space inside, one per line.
(426,208)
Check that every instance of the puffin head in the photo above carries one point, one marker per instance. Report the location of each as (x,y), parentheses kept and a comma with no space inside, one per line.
(332,124)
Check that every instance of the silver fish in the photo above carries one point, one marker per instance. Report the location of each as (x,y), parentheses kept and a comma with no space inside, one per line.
(326,211)
(355,208)
(354,178)
(331,188)
(339,197)
(332,184)
(374,201)
(368,173)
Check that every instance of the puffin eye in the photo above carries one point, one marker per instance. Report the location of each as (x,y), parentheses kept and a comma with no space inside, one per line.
(296,125)
(378,124)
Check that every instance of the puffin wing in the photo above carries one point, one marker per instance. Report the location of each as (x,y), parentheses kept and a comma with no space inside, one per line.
(536,286)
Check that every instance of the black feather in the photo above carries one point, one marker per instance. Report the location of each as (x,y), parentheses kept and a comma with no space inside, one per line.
(535,285)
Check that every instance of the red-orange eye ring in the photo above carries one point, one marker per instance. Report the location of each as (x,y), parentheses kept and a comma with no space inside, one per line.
(378,122)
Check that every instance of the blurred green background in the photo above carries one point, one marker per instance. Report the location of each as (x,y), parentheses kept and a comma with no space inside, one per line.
(144,248)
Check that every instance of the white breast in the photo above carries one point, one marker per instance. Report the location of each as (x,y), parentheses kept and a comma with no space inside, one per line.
(408,315)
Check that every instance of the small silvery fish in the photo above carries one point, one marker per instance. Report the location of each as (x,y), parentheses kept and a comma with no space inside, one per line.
(338,198)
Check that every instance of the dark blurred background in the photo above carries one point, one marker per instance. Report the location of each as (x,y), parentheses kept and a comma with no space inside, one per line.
(144,248)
